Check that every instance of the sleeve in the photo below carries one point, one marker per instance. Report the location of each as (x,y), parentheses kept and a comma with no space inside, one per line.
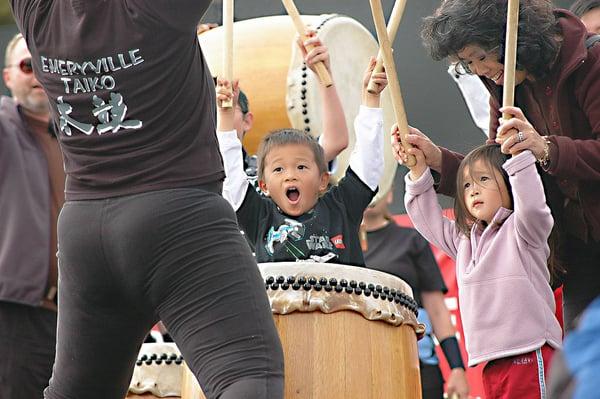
(354,194)
(447,179)
(476,97)
(533,220)
(181,15)
(426,214)
(579,159)
(428,271)
(367,156)
(235,185)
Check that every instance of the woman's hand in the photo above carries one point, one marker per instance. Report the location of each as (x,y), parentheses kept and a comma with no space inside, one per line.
(420,142)
(417,170)
(517,134)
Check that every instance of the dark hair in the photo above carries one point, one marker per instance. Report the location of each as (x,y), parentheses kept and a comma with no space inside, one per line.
(243,102)
(283,137)
(580,7)
(459,23)
(491,155)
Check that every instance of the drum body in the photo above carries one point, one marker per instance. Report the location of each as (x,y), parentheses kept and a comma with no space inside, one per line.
(347,332)
(284,93)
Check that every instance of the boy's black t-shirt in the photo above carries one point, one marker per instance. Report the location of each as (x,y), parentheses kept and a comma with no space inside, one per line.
(403,252)
(129,90)
(328,233)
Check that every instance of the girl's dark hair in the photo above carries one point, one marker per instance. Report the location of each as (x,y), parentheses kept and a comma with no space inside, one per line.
(491,155)
(283,137)
(459,23)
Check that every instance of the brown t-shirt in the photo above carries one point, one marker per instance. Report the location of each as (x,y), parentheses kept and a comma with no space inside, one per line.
(130,92)
(56,176)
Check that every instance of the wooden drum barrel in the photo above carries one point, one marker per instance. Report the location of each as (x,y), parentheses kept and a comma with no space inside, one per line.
(347,332)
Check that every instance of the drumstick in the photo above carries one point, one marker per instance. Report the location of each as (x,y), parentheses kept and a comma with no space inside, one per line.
(228,47)
(392,30)
(320,67)
(394,84)
(510,55)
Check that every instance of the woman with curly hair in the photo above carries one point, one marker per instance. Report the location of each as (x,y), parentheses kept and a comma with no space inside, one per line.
(556,117)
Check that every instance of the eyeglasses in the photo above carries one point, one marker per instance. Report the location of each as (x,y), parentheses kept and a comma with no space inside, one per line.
(462,67)
(25,66)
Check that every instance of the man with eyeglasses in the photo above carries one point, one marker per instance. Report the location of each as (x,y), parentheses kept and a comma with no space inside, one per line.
(31,194)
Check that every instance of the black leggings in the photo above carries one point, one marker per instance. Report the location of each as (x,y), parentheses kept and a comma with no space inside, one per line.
(171,255)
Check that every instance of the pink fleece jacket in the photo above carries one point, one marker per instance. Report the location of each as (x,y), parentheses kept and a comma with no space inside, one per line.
(506,303)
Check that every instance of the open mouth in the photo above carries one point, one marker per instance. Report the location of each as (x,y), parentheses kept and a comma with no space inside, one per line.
(293,194)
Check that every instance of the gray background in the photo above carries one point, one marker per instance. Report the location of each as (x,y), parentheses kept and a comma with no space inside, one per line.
(433,102)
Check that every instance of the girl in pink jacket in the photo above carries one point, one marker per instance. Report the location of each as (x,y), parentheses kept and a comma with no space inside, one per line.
(500,243)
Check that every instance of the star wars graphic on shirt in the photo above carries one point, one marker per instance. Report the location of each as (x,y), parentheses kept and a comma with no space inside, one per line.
(291,237)
(327,233)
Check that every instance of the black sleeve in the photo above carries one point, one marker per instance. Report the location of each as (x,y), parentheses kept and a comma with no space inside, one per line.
(428,271)
(252,213)
(354,194)
(181,15)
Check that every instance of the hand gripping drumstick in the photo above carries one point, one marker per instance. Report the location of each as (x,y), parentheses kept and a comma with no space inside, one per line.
(228,47)
(394,84)
(320,67)
(392,30)
(510,55)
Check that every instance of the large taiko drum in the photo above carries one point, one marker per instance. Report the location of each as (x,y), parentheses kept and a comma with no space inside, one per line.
(283,93)
(347,332)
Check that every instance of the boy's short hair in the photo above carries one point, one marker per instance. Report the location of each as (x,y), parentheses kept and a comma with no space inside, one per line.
(283,137)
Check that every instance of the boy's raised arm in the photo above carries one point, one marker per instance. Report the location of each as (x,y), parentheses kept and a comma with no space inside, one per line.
(367,157)
(334,138)
(235,185)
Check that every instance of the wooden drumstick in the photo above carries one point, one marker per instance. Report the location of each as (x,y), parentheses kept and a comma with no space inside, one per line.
(228,47)
(320,67)
(510,55)
(392,30)
(394,84)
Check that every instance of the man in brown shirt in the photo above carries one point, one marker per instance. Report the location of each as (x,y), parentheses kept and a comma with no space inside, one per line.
(31,194)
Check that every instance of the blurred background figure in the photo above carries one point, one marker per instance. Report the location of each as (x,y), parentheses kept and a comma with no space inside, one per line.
(31,194)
